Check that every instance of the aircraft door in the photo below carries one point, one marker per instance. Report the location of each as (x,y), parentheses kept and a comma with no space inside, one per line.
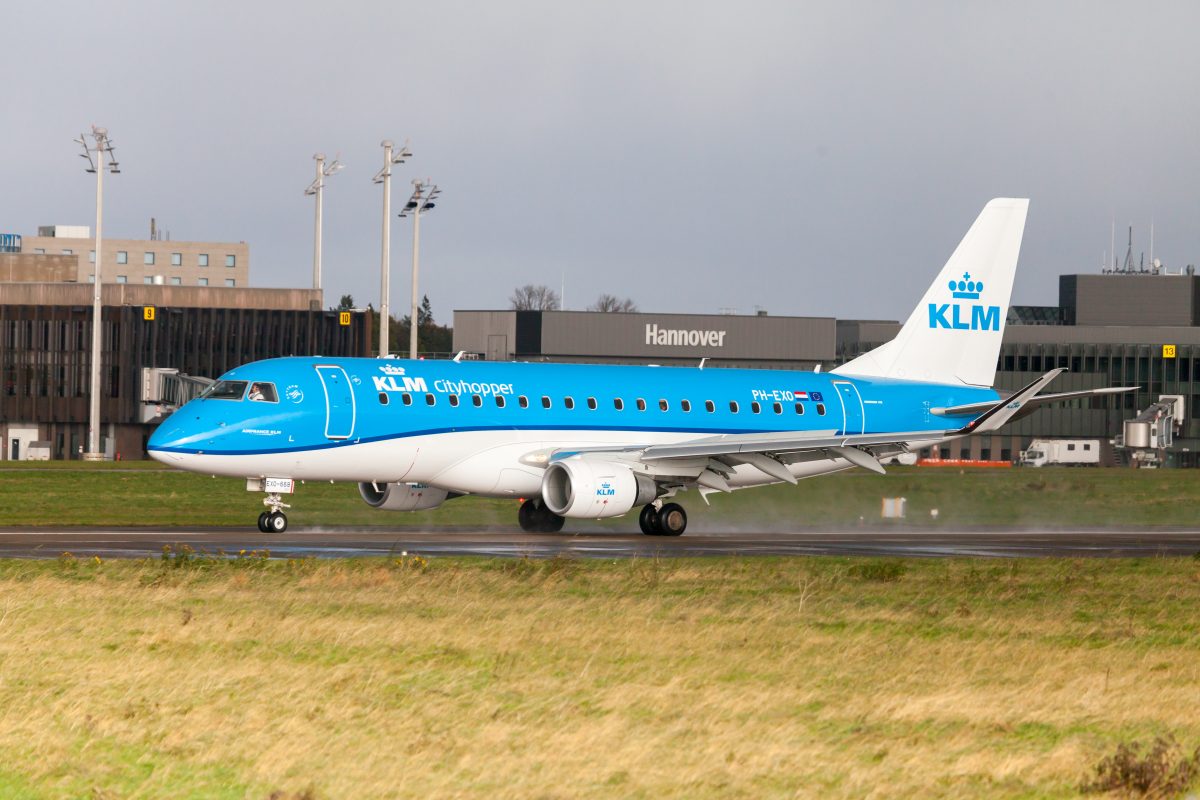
(853,410)
(339,402)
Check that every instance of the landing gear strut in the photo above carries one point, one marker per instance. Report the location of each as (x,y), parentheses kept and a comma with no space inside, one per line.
(670,520)
(534,517)
(273,521)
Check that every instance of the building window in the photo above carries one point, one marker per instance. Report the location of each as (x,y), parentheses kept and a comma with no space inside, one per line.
(148,279)
(91,256)
(202,260)
(230,282)
(231,261)
(686,405)
(122,257)
(176,281)
(618,404)
(91,278)
(176,259)
(39,251)
(67,252)
(122,279)
(203,282)
(148,258)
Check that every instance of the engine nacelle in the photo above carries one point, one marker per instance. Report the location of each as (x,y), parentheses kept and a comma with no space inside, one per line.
(592,488)
(402,496)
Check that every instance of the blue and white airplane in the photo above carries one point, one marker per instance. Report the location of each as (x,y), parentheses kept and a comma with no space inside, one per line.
(585,442)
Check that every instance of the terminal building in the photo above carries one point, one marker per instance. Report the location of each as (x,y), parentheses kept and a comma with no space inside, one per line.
(1138,329)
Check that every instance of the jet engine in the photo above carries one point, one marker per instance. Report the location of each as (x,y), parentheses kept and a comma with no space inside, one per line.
(402,496)
(591,488)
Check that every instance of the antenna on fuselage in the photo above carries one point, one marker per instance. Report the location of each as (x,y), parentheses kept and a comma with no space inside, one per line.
(458,356)
(702,362)
(816,369)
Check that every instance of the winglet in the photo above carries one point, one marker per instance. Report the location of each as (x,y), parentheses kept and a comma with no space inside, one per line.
(999,414)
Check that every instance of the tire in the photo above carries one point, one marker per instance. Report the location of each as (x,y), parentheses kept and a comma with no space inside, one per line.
(527,516)
(648,520)
(262,522)
(549,522)
(277,522)
(672,520)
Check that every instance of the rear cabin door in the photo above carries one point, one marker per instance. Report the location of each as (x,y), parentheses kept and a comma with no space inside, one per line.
(852,407)
(339,402)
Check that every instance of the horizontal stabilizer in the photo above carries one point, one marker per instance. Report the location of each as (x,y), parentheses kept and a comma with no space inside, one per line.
(1003,411)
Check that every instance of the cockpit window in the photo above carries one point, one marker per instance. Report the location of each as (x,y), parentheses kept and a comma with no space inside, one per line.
(225,390)
(262,392)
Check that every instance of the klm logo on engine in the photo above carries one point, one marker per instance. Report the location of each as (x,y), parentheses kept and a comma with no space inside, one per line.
(606,490)
(964,316)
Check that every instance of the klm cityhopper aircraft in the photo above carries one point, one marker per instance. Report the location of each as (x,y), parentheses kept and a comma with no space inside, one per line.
(584,442)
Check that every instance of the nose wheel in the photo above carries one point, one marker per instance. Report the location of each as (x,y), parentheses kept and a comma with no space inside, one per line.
(274,520)
(670,520)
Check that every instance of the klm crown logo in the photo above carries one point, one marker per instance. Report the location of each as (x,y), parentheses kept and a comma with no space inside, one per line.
(961,316)
(388,369)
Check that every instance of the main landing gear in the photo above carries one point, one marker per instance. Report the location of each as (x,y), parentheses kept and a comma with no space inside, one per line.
(534,517)
(670,520)
(273,521)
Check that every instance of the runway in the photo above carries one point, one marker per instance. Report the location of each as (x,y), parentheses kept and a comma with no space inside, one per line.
(300,543)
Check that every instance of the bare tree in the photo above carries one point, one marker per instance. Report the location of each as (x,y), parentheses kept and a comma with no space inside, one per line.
(609,303)
(534,298)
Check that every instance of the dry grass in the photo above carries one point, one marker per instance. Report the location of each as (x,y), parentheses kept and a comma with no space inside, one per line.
(718,678)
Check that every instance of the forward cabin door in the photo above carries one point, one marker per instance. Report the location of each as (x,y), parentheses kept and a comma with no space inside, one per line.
(853,412)
(339,402)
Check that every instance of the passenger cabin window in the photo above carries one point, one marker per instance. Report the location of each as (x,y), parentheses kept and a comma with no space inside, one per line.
(618,404)
(820,409)
(545,401)
(755,407)
(641,404)
(383,398)
(499,401)
(800,409)
(406,398)
(777,408)
(568,402)
(430,400)
(261,392)
(591,401)
(710,406)
(476,400)
(663,405)
(686,405)
(523,401)
(225,390)
(453,400)
(733,407)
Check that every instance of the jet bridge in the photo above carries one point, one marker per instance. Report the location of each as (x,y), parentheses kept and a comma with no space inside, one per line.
(164,390)
(1147,436)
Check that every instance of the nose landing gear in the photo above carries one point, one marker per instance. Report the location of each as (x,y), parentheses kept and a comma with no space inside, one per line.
(273,521)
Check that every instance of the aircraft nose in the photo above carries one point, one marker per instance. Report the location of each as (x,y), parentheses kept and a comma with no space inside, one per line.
(165,436)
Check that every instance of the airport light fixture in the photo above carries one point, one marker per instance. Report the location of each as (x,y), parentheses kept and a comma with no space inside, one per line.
(422,200)
(384,176)
(316,188)
(105,160)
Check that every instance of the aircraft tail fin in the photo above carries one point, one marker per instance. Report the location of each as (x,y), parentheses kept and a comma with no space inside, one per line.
(954,334)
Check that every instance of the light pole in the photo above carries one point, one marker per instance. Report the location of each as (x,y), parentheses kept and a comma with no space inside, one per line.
(384,176)
(421,201)
(317,188)
(105,160)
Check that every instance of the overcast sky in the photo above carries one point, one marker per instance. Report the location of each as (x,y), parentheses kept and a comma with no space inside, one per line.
(806,158)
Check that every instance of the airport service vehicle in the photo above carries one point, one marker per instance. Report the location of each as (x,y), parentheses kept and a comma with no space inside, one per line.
(1062,452)
(586,442)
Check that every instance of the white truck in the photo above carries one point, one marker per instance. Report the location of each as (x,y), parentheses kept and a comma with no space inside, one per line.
(1061,452)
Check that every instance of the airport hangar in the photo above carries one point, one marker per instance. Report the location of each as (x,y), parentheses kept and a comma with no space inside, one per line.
(1130,329)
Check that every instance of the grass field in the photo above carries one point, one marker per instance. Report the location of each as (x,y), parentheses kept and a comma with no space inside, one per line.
(469,678)
(143,493)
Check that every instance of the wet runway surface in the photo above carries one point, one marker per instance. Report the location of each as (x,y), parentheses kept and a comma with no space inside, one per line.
(141,543)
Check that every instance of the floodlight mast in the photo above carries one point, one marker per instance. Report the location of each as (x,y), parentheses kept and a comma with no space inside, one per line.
(421,201)
(317,188)
(384,176)
(105,160)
